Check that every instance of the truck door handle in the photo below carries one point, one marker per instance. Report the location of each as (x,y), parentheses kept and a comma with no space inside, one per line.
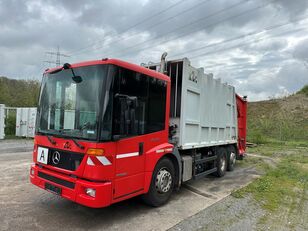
(140,148)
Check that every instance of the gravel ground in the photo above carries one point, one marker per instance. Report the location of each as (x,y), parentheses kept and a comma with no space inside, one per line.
(15,146)
(229,214)
(232,214)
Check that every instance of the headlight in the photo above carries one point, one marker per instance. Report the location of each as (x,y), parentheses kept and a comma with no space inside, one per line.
(90,192)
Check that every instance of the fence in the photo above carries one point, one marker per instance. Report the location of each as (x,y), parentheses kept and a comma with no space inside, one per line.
(2,121)
(25,121)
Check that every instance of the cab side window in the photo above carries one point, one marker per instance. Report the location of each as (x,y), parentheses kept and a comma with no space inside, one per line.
(157,105)
(139,104)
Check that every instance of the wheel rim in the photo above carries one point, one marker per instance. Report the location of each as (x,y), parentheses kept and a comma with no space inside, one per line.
(163,181)
(232,158)
(223,163)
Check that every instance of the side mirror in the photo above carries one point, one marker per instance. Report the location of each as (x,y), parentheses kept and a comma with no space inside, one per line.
(77,79)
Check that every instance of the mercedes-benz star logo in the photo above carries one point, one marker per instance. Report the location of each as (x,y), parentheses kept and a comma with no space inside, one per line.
(56,157)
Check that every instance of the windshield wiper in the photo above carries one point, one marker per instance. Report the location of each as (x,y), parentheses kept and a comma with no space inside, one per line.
(78,144)
(52,141)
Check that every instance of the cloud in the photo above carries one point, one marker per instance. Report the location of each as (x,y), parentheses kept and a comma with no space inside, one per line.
(264,83)
(15,13)
(259,65)
(301,51)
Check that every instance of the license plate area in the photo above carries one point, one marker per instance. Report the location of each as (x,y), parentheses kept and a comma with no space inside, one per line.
(42,155)
(53,188)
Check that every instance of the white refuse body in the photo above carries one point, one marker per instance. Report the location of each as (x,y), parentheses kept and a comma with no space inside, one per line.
(2,120)
(25,121)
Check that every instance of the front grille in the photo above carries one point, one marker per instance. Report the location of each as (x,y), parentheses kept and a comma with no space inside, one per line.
(67,160)
(56,180)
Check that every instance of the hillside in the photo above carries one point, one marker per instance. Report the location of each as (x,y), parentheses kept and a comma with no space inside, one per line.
(19,93)
(281,119)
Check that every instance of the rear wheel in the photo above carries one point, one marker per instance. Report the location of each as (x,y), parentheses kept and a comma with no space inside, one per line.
(239,157)
(162,184)
(221,162)
(231,158)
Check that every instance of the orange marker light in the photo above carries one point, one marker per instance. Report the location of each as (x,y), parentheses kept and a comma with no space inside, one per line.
(95,151)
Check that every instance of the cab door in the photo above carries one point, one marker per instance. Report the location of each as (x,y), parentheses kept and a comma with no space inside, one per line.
(130,164)
(129,118)
(139,113)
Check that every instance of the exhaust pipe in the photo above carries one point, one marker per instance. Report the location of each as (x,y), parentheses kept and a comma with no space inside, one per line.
(163,63)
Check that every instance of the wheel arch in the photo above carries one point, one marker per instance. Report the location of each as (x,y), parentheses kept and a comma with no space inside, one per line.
(175,157)
(177,163)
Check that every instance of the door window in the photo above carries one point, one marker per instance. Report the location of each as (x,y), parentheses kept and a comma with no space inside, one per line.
(139,104)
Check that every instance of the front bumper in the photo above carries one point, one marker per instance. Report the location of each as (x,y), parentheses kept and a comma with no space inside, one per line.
(73,188)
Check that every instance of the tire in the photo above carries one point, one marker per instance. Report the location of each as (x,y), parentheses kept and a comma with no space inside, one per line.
(162,184)
(221,162)
(239,157)
(231,158)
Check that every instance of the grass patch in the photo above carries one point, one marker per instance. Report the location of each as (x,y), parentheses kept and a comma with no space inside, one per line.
(13,137)
(272,189)
(256,162)
(282,185)
(278,148)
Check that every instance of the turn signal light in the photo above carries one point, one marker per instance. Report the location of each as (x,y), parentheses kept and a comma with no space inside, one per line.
(95,151)
(34,146)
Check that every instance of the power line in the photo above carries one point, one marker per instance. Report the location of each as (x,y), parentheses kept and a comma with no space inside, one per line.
(267,29)
(237,65)
(245,44)
(198,29)
(151,26)
(245,65)
(183,26)
(234,65)
(140,22)
(58,55)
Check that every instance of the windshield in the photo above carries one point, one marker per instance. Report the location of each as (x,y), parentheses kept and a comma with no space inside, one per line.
(69,108)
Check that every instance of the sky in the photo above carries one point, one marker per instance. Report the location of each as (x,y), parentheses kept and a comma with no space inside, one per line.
(259,46)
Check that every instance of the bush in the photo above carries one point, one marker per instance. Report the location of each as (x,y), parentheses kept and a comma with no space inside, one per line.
(304,90)
(10,124)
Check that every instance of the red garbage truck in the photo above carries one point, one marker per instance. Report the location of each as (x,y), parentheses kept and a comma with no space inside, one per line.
(109,130)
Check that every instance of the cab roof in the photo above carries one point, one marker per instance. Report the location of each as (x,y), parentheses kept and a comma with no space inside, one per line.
(120,63)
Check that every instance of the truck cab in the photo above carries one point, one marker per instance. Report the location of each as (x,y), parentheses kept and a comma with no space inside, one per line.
(98,124)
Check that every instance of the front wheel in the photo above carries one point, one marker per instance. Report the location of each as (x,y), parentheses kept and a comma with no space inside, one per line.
(162,184)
